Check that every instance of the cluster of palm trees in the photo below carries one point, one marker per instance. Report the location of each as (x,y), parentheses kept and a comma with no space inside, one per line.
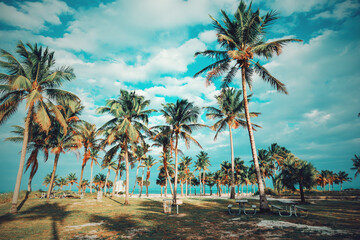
(52,122)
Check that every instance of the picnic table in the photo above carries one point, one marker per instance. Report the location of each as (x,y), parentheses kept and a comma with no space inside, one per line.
(290,207)
(242,205)
(168,202)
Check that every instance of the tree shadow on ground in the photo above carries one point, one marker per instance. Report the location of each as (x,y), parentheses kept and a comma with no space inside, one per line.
(115,201)
(56,212)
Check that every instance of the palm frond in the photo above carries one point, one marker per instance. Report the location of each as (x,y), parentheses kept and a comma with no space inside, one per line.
(267,77)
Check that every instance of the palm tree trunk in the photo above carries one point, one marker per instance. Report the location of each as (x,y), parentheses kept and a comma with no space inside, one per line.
(204,182)
(106,180)
(302,193)
(264,206)
(53,176)
(91,176)
(166,183)
(82,171)
(232,194)
(176,167)
(182,189)
(142,183)
(147,179)
(127,175)
(13,208)
(168,179)
(186,187)
(116,175)
(340,186)
(137,172)
(200,181)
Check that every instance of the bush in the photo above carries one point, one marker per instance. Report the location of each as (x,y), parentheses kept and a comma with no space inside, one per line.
(268,191)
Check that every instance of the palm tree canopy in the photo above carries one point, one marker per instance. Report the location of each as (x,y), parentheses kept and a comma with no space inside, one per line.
(356,164)
(230,111)
(182,117)
(129,116)
(242,37)
(33,77)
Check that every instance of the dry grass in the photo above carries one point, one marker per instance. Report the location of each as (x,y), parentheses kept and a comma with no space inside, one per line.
(143,219)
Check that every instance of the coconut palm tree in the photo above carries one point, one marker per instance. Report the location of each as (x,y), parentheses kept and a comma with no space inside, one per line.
(140,152)
(181,118)
(298,172)
(229,114)
(356,164)
(161,180)
(166,169)
(343,177)
(38,141)
(94,155)
(267,166)
(99,181)
(72,179)
(148,162)
(62,182)
(186,162)
(84,184)
(129,119)
(209,180)
(322,179)
(47,179)
(110,165)
(162,138)
(87,135)
(61,141)
(204,163)
(33,77)
(242,37)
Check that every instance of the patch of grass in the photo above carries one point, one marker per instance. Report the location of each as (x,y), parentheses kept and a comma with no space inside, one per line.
(144,219)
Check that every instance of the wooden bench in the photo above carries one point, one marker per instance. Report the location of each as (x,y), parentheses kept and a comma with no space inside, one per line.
(302,209)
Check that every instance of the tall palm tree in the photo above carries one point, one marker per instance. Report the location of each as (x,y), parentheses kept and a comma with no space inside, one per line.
(343,177)
(140,154)
(162,138)
(242,37)
(298,172)
(148,162)
(94,155)
(186,162)
(62,182)
(181,118)
(229,114)
(99,181)
(60,140)
(72,179)
(161,180)
(204,160)
(356,164)
(322,179)
(267,167)
(33,77)
(110,165)
(129,119)
(87,136)
(47,179)
(167,170)
(38,141)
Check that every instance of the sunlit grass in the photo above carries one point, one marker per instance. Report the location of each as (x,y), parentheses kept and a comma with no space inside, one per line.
(144,219)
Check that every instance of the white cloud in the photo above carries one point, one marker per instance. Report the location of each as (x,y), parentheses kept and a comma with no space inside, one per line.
(288,7)
(340,11)
(33,15)
(208,36)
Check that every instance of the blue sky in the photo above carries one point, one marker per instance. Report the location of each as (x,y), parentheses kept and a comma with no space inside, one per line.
(149,46)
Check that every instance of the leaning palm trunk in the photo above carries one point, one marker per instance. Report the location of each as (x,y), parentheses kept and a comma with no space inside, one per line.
(106,181)
(166,183)
(142,183)
(13,208)
(232,194)
(53,176)
(137,173)
(186,187)
(91,176)
(115,180)
(264,206)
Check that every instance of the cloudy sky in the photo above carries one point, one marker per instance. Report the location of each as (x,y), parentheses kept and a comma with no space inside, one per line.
(149,45)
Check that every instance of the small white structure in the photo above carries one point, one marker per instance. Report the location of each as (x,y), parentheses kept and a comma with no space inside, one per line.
(119,186)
